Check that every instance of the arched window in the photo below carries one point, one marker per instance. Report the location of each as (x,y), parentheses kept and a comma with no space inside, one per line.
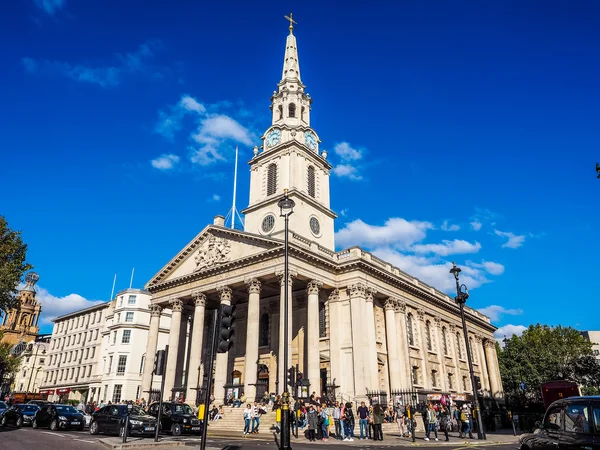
(409,329)
(272,179)
(311,181)
(280,112)
(292,110)
(458,346)
(302,113)
(263,338)
(322,321)
(415,375)
(428,335)
(444,341)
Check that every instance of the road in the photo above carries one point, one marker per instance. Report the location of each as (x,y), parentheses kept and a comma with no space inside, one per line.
(30,439)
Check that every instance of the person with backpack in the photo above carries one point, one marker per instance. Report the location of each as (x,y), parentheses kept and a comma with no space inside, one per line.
(465,419)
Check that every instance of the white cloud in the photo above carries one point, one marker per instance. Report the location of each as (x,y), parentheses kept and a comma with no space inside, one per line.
(514,241)
(509,331)
(191,104)
(215,198)
(494,312)
(344,212)
(165,162)
(53,306)
(348,158)
(493,267)
(446,226)
(395,232)
(221,127)
(103,76)
(457,246)
(50,6)
(476,225)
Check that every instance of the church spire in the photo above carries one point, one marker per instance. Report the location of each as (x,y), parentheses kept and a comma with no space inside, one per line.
(291,66)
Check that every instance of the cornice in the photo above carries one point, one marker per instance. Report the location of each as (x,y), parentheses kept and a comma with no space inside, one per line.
(292,192)
(289,145)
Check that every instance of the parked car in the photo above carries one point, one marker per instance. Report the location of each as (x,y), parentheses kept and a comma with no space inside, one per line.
(19,415)
(3,407)
(111,420)
(40,403)
(176,418)
(569,424)
(58,417)
(87,418)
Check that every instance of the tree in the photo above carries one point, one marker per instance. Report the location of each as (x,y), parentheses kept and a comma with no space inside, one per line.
(544,354)
(12,264)
(9,364)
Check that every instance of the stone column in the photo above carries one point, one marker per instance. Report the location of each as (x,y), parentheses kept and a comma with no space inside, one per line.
(196,346)
(403,351)
(335,341)
(426,382)
(151,348)
(485,376)
(392,344)
(222,358)
(252,339)
(312,335)
(371,361)
(357,293)
(443,385)
(490,356)
(281,364)
(171,369)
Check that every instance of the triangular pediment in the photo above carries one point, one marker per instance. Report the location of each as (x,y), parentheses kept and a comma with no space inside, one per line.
(212,247)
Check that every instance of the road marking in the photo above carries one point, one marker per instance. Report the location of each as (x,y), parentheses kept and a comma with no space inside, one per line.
(83,440)
(53,434)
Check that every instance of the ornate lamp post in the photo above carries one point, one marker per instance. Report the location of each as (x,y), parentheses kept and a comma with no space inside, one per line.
(462,294)
(286,206)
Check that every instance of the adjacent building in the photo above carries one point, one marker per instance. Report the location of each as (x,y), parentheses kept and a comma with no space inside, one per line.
(31,372)
(357,323)
(594,338)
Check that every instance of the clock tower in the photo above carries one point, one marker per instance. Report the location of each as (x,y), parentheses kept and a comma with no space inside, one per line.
(290,158)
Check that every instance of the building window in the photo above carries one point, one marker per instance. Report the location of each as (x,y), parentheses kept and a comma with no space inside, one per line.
(121,364)
(142,362)
(458,346)
(89,371)
(450,383)
(415,375)
(117,317)
(465,384)
(311,181)
(272,179)
(434,380)
(117,393)
(137,392)
(120,301)
(93,351)
(322,320)
(292,110)
(110,358)
(302,109)
(428,335)
(129,317)
(87,353)
(24,373)
(114,337)
(126,337)
(263,339)
(280,109)
(409,329)
(132,299)
(444,341)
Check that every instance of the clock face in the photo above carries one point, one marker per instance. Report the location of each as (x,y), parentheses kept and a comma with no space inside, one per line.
(273,137)
(310,139)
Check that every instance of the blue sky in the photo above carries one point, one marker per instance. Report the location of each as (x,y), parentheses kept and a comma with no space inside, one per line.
(463,131)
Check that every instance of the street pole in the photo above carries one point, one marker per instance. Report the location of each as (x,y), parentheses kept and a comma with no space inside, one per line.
(285,402)
(160,399)
(211,364)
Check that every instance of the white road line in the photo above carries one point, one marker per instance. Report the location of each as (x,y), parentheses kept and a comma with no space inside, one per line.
(83,440)
(53,434)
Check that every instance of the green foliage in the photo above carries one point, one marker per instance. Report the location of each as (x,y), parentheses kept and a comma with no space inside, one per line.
(544,354)
(12,264)
(9,365)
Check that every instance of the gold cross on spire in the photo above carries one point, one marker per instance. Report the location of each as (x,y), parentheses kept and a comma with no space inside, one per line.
(292,22)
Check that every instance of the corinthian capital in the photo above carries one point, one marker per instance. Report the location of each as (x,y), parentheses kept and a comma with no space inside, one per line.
(225,293)
(253,285)
(421,314)
(155,311)
(390,304)
(176,305)
(370,293)
(313,287)
(199,298)
(401,306)
(335,295)
(357,290)
(281,276)
(489,344)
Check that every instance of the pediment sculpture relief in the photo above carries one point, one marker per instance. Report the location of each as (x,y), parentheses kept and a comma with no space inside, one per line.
(215,252)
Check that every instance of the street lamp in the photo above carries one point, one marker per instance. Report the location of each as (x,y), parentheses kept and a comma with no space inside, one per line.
(286,206)
(462,294)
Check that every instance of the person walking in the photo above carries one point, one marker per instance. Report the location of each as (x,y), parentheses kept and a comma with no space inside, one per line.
(465,420)
(337,415)
(313,421)
(444,416)
(363,420)
(247,418)
(410,422)
(425,418)
(431,422)
(349,422)
(370,433)
(378,418)
(401,419)
(255,418)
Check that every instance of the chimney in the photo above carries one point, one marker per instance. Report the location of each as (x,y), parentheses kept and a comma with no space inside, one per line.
(219,221)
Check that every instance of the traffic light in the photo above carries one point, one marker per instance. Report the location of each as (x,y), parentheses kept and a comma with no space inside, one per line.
(159,363)
(478,383)
(299,378)
(291,376)
(226,332)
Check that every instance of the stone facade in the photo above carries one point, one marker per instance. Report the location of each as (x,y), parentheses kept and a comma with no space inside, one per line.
(21,324)
(355,320)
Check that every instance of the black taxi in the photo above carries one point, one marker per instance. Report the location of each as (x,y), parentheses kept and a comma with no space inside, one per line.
(176,418)
(569,424)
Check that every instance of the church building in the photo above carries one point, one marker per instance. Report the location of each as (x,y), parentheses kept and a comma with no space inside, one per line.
(356,322)
(20,324)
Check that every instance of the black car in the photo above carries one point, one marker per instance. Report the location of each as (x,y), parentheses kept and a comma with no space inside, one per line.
(18,415)
(569,424)
(56,417)
(176,418)
(111,420)
(3,407)
(39,403)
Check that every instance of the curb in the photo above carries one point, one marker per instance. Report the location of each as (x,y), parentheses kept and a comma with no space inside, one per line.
(148,443)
